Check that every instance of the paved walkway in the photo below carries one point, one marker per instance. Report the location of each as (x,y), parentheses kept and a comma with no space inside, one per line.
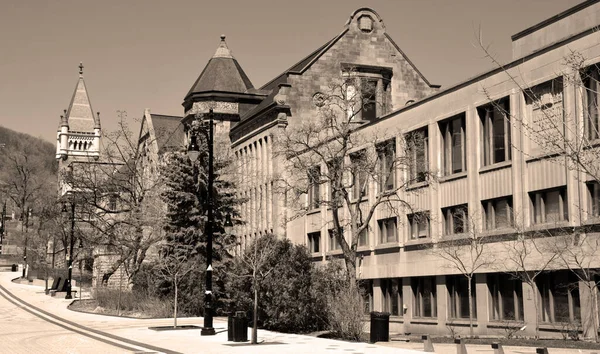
(133,335)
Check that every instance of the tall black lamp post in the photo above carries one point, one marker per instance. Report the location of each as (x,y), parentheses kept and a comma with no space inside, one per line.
(193,153)
(70,255)
(2,227)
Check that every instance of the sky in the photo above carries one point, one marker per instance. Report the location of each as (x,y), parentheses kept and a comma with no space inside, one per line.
(141,54)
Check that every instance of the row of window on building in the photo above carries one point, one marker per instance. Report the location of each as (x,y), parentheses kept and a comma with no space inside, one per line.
(558,292)
(547,206)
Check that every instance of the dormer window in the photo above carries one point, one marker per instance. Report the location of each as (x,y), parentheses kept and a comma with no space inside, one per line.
(367,90)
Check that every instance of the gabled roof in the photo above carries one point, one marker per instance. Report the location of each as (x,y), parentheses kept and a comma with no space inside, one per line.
(80,116)
(168,131)
(222,73)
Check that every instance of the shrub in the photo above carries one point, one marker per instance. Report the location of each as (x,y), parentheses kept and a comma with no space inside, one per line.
(133,302)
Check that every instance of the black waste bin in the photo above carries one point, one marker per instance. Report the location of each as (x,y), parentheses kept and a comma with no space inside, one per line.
(13,268)
(240,327)
(380,327)
(230,326)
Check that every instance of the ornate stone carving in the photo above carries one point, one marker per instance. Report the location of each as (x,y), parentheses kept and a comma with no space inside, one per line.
(319,99)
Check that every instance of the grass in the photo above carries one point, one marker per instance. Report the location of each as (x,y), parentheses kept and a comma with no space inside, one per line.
(129,304)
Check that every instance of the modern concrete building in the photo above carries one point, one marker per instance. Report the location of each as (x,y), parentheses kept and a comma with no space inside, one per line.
(500,173)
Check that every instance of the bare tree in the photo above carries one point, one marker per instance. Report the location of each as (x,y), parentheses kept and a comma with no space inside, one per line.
(256,264)
(326,149)
(117,200)
(578,251)
(467,254)
(173,265)
(527,255)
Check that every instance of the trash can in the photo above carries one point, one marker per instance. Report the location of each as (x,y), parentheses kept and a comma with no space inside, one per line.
(230,326)
(13,268)
(240,327)
(380,327)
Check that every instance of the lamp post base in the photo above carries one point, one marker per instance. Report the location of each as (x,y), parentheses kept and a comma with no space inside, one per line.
(68,297)
(207,331)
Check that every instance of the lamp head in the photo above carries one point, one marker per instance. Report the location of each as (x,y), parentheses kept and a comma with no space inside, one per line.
(228,225)
(193,149)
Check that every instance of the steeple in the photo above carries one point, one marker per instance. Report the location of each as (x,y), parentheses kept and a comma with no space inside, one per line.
(79,130)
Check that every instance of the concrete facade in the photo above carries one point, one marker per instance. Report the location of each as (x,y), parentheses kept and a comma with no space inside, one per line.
(406,277)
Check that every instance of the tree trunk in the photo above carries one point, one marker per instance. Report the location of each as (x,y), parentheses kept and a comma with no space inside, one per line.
(470,306)
(255,318)
(175,305)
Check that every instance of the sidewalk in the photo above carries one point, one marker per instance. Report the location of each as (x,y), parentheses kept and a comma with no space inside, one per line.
(190,341)
(185,341)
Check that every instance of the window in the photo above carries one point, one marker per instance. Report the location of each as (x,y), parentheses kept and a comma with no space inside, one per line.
(386,155)
(387,230)
(418,152)
(591,116)
(495,124)
(314,187)
(458,289)
(368,91)
(424,293)
(454,158)
(391,290)
(545,126)
(366,291)
(359,174)
(363,237)
(560,296)
(549,205)
(333,242)
(507,297)
(497,213)
(456,219)
(418,224)
(594,198)
(314,242)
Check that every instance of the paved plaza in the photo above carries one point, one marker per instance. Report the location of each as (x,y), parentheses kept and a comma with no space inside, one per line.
(32,322)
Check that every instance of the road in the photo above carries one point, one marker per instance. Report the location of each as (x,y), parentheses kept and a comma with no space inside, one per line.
(24,332)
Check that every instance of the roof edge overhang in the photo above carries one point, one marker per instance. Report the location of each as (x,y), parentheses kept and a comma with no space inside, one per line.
(240,97)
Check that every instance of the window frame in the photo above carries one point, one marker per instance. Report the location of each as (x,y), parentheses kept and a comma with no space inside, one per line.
(334,244)
(384,230)
(593,189)
(449,148)
(418,172)
(501,286)
(386,157)
(419,302)
(392,299)
(490,211)
(549,285)
(450,214)
(314,188)
(538,203)
(457,287)
(591,77)
(489,115)
(360,177)
(311,241)
(414,221)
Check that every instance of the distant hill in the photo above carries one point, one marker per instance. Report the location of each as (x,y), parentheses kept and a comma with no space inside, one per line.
(35,148)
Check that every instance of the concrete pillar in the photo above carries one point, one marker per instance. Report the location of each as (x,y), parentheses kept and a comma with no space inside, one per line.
(529,311)
(482,297)
(407,298)
(442,301)
(473,151)
(435,164)
(589,309)
(517,110)
(377,295)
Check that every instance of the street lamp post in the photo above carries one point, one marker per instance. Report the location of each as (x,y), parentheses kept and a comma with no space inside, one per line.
(193,152)
(70,255)
(2,227)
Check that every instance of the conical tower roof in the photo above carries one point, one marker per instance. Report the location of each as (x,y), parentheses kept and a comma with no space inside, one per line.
(222,73)
(80,116)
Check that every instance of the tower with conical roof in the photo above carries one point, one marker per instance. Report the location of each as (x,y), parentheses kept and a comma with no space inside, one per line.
(79,131)
(223,86)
